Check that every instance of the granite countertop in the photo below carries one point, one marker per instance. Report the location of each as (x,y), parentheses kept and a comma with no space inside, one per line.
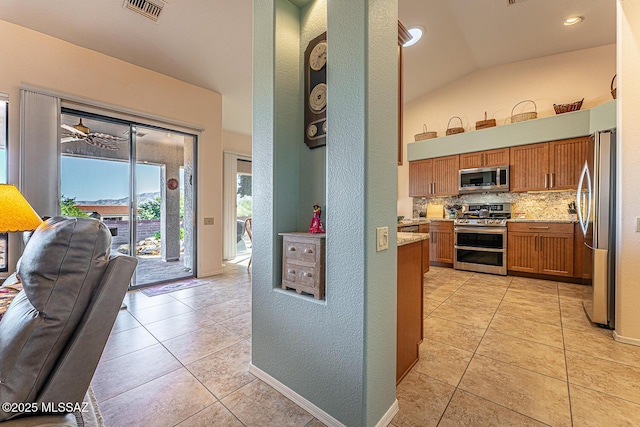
(565,221)
(406,238)
(417,221)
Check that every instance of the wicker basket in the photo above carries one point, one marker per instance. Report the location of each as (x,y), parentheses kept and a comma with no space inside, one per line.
(453,131)
(614,89)
(522,117)
(567,108)
(425,135)
(483,124)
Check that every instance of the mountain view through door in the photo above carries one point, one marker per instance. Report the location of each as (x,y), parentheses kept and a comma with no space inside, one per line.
(139,181)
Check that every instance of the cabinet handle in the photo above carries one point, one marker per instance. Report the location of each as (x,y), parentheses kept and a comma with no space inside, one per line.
(541,240)
(484,159)
(305,274)
(291,271)
(535,243)
(538,228)
(546,180)
(308,251)
(434,188)
(551,185)
(292,248)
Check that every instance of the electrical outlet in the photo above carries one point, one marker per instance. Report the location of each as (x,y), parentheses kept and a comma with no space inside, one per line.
(208,221)
(638,224)
(382,239)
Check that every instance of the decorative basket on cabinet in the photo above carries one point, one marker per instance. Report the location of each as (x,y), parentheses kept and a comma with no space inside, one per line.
(566,108)
(454,130)
(425,135)
(483,124)
(522,117)
(614,89)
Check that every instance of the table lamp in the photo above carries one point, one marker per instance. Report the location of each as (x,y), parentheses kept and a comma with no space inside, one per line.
(16,214)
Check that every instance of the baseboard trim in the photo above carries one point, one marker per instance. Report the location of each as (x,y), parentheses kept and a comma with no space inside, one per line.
(632,341)
(388,416)
(295,397)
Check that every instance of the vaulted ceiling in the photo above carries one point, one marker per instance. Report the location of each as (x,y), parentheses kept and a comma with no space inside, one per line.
(208,42)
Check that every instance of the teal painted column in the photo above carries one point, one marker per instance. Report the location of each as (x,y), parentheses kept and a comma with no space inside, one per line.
(362,179)
(339,354)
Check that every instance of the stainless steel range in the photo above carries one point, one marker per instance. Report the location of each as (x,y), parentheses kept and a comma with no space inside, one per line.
(480,238)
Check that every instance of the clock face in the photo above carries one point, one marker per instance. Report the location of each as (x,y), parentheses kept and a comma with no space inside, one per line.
(312,130)
(318,97)
(318,56)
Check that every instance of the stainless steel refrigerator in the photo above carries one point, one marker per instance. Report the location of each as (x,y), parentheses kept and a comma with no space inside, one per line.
(596,203)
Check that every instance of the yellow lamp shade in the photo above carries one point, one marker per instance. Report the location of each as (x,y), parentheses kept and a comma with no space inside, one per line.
(16,214)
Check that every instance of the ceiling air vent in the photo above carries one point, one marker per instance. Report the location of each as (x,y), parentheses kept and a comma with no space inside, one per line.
(512,2)
(148,8)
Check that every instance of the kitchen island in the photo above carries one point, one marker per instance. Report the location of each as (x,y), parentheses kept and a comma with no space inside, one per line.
(413,262)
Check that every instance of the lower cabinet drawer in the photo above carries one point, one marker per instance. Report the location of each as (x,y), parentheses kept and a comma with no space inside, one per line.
(301,251)
(300,275)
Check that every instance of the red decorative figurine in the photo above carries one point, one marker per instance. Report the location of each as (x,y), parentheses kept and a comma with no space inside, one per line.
(316,224)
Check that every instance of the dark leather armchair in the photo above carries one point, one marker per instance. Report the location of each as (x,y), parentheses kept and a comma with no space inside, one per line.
(54,332)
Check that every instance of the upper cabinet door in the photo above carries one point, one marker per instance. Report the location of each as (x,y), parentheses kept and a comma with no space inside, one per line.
(482,159)
(420,178)
(499,157)
(566,160)
(472,160)
(529,167)
(445,175)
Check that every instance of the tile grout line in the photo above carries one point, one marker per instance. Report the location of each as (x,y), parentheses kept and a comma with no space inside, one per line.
(474,351)
(566,363)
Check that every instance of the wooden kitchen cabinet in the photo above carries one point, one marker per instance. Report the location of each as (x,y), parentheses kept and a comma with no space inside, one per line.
(409,307)
(420,178)
(434,177)
(483,159)
(441,243)
(541,247)
(566,160)
(529,167)
(552,165)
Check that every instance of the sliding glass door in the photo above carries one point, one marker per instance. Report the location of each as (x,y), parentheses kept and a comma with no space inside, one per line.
(164,191)
(132,178)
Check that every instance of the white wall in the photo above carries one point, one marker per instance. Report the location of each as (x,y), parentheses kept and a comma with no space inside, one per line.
(237,143)
(628,271)
(35,59)
(553,79)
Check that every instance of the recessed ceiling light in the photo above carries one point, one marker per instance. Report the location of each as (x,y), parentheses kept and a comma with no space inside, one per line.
(416,34)
(573,20)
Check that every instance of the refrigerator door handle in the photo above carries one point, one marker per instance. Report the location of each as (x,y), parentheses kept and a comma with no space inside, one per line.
(584,220)
(589,246)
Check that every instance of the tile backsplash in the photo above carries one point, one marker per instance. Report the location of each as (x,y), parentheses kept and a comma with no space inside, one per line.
(550,205)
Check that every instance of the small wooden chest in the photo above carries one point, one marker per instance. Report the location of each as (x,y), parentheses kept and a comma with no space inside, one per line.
(303,262)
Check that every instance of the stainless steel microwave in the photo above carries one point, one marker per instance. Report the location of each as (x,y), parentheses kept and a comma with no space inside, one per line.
(484,180)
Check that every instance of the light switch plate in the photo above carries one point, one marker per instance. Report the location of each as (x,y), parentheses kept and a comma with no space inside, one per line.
(638,224)
(208,221)
(382,239)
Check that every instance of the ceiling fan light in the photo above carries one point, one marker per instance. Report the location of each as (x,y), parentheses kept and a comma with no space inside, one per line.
(416,34)
(82,128)
(573,20)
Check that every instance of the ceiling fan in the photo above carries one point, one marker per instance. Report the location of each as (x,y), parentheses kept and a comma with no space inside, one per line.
(80,132)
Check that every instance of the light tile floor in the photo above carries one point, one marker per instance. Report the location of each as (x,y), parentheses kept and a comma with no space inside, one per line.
(498,351)
(511,351)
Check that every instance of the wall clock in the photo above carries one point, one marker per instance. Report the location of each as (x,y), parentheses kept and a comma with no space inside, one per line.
(315,92)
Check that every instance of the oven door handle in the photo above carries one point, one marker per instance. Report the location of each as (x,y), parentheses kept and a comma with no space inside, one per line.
(482,230)
(477,249)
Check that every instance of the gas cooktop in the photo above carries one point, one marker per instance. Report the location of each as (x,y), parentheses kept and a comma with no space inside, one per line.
(489,214)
